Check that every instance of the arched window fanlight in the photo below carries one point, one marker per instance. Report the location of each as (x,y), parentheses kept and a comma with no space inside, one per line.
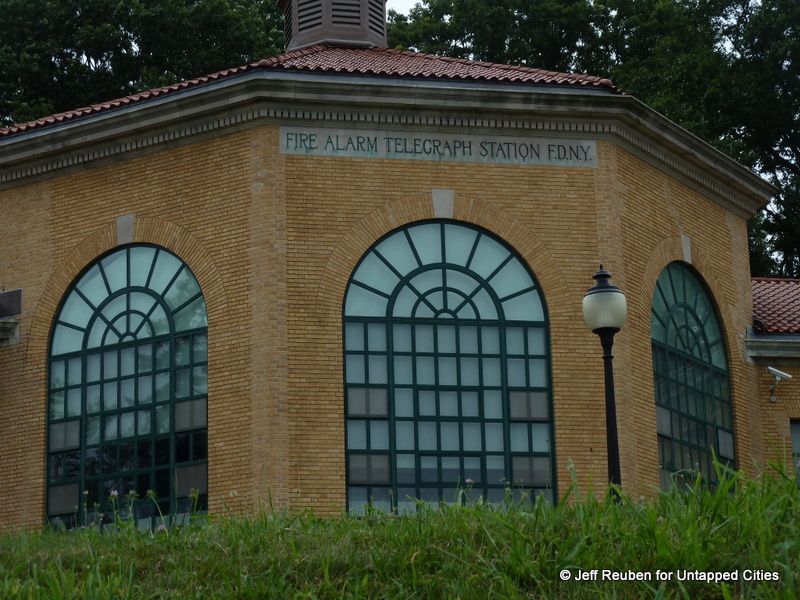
(693,401)
(127,395)
(446,371)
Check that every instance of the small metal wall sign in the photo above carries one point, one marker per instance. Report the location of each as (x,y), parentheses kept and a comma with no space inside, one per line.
(10,303)
(400,145)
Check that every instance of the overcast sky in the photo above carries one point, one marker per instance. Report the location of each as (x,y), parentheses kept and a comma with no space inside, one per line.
(401,6)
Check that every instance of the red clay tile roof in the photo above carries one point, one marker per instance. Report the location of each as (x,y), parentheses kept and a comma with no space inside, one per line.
(380,62)
(776,304)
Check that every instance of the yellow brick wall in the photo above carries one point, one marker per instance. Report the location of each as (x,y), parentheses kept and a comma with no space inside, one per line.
(273,240)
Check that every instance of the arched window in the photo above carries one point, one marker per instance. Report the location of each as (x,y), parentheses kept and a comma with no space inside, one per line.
(446,371)
(127,394)
(693,403)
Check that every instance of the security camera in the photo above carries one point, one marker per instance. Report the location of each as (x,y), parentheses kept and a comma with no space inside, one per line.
(778,374)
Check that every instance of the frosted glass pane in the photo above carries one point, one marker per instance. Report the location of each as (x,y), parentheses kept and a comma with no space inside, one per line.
(538,372)
(429,471)
(448,371)
(182,388)
(57,374)
(490,340)
(427,403)
(427,435)
(192,316)
(133,323)
(446,338)
(491,371)
(428,242)
(427,281)
(57,405)
(76,311)
(423,311)
(109,364)
(516,372)
(357,500)
(373,272)
(182,289)
(404,303)
(118,306)
(402,370)
(485,305)
(93,398)
(461,281)
(127,361)
(141,302)
(158,321)
(424,338)
(144,357)
(449,436)
(162,387)
(495,470)
(473,439)
(127,425)
(354,368)
(451,473)
(458,242)
(519,437)
(74,371)
(376,336)
(402,338)
(396,250)
(356,435)
(116,269)
(144,422)
(162,419)
(66,340)
(526,307)
(379,435)
(492,404)
(540,437)
(96,334)
(166,267)
(494,437)
(127,398)
(536,340)
(469,404)
(363,303)
(468,312)
(377,369)
(425,370)
(488,256)
(512,278)
(74,402)
(403,402)
(468,339)
(405,435)
(110,396)
(145,390)
(110,429)
(515,340)
(141,259)
(448,404)
(93,286)
(469,371)
(93,430)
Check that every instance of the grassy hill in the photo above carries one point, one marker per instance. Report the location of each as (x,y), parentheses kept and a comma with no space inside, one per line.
(747,528)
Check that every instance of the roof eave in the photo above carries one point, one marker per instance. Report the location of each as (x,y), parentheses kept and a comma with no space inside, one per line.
(419,94)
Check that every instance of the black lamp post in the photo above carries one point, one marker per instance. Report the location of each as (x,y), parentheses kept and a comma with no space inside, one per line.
(604,312)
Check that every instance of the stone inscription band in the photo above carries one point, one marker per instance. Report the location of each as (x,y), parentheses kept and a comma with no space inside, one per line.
(360,143)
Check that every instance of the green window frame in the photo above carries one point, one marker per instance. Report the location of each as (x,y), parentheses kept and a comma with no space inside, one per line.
(694,414)
(127,397)
(447,371)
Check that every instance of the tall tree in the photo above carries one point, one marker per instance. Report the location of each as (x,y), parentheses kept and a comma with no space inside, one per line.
(727,70)
(61,54)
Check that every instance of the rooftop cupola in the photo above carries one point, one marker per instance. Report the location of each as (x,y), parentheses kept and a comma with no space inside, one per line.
(352,23)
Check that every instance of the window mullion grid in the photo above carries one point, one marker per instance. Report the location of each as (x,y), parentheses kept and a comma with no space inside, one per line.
(394,498)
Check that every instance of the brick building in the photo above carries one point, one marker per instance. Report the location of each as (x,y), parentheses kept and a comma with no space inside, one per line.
(350,273)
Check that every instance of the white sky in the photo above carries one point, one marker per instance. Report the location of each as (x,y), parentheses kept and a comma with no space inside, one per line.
(401,6)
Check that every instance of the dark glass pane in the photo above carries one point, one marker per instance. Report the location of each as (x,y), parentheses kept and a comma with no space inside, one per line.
(143,484)
(199,445)
(162,451)
(145,454)
(182,447)
(127,459)
(109,458)
(162,483)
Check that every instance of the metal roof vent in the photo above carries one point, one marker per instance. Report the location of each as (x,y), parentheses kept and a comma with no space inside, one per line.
(353,23)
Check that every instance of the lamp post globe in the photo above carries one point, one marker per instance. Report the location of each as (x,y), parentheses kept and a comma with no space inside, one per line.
(605,311)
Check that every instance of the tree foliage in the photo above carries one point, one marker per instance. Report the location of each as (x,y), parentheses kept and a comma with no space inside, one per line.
(726,70)
(56,55)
